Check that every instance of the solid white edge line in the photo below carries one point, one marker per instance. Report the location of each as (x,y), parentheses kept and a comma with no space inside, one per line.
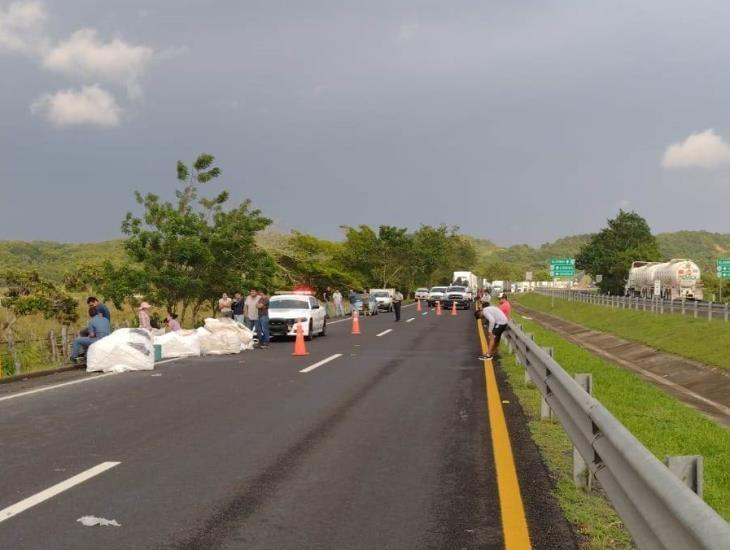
(51,492)
(53,387)
(410,320)
(385,332)
(320,363)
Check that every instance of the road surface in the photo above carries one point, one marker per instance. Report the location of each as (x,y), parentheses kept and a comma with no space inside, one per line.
(383,442)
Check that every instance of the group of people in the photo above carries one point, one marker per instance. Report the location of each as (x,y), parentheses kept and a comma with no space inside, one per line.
(358,299)
(251,311)
(496,319)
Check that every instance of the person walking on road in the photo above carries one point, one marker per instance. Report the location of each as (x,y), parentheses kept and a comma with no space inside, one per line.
(337,299)
(496,322)
(504,304)
(397,301)
(250,309)
(262,323)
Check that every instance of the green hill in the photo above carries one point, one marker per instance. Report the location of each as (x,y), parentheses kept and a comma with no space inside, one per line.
(53,260)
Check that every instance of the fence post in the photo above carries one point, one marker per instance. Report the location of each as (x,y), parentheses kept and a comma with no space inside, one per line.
(644,298)
(662,306)
(581,474)
(689,469)
(683,304)
(671,306)
(709,310)
(695,310)
(54,349)
(64,341)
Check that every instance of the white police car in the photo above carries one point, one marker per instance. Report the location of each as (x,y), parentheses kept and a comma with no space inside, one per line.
(287,308)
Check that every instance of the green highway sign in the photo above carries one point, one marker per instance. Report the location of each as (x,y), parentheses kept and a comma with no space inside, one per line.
(562,267)
(723,269)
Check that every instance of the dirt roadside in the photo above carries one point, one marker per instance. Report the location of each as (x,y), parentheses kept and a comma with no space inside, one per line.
(701,386)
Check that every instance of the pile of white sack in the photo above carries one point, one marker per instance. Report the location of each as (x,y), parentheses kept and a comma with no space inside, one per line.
(130,349)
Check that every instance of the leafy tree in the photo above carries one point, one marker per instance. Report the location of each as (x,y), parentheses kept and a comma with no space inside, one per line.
(25,293)
(191,251)
(626,239)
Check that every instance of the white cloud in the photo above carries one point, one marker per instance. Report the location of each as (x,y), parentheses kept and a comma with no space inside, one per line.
(90,105)
(84,55)
(701,150)
(21,25)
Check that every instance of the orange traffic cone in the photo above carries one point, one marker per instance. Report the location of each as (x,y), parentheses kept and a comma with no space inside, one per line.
(453,309)
(418,306)
(299,347)
(438,308)
(355,323)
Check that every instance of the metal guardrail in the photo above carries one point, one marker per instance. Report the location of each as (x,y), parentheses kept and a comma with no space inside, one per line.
(696,308)
(658,509)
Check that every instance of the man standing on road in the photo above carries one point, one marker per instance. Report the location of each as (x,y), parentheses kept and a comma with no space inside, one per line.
(397,301)
(237,306)
(250,309)
(504,304)
(337,298)
(496,322)
(262,323)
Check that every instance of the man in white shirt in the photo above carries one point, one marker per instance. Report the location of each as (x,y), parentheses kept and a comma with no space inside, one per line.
(397,301)
(337,298)
(250,309)
(496,322)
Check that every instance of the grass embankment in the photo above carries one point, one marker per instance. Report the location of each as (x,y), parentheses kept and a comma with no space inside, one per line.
(698,339)
(663,424)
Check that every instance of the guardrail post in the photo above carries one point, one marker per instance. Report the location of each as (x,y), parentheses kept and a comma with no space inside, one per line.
(671,306)
(690,469)
(683,304)
(709,310)
(581,474)
(726,312)
(695,309)
(644,299)
(662,307)
(546,413)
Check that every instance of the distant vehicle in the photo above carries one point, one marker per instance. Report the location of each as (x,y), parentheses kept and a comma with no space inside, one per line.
(384,298)
(421,294)
(675,279)
(497,287)
(466,279)
(288,308)
(436,294)
(459,295)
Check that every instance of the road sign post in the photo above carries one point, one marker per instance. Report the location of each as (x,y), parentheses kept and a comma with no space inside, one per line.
(561,268)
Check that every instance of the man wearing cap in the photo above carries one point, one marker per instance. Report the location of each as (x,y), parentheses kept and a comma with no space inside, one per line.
(504,304)
(496,322)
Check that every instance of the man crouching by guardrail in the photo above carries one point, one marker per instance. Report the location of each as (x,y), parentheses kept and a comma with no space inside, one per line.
(496,322)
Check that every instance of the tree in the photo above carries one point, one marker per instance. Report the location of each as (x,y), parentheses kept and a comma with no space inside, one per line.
(610,252)
(27,294)
(191,251)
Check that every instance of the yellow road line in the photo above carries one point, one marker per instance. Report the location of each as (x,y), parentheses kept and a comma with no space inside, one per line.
(514,521)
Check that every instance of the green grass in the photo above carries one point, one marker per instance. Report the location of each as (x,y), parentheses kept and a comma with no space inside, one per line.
(590,513)
(699,339)
(662,423)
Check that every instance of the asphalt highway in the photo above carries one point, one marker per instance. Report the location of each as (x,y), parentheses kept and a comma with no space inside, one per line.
(383,442)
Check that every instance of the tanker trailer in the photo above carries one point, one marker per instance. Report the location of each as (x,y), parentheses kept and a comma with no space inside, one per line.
(678,278)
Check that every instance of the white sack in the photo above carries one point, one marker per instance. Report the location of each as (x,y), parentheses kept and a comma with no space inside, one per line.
(224,336)
(183,343)
(123,350)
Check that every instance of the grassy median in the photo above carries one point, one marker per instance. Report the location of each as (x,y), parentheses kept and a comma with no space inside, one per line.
(663,424)
(698,339)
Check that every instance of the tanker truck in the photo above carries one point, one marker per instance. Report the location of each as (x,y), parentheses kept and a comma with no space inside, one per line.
(677,279)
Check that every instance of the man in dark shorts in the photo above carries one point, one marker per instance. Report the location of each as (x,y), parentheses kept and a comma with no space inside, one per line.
(496,322)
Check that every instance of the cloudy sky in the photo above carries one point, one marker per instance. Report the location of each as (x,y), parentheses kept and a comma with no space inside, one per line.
(518,121)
